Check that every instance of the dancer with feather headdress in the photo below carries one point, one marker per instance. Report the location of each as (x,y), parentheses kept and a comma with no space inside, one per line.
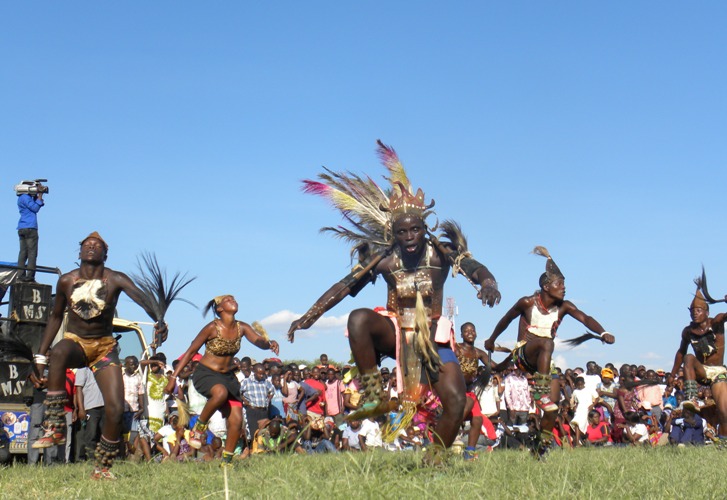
(540,315)
(88,295)
(706,365)
(391,239)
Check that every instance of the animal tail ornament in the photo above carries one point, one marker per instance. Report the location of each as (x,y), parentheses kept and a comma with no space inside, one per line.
(542,251)
(701,283)
(583,338)
(11,347)
(423,336)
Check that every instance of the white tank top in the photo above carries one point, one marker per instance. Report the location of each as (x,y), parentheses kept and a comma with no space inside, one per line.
(542,324)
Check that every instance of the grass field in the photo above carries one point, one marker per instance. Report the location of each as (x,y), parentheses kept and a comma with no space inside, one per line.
(583,473)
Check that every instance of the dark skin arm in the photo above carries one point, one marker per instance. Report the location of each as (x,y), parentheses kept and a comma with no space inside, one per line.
(126,285)
(570,309)
(514,312)
(488,292)
(328,300)
(258,340)
(682,351)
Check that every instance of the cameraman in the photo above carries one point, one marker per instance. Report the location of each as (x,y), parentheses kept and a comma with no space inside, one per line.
(28,205)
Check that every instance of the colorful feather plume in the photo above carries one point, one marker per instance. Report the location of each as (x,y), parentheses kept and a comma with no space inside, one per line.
(397,173)
(360,201)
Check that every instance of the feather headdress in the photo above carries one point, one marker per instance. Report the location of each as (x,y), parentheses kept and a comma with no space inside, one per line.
(368,208)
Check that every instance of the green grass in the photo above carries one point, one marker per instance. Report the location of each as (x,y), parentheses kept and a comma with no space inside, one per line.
(584,473)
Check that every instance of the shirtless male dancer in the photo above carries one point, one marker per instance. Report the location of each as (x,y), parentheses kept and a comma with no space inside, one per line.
(706,365)
(88,295)
(540,315)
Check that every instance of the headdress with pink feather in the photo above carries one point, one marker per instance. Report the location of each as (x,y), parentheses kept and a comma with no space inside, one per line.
(370,209)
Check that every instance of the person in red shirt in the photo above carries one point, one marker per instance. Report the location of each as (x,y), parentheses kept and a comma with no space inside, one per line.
(316,403)
(597,431)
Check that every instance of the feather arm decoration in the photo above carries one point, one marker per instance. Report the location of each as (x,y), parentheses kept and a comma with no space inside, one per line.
(158,291)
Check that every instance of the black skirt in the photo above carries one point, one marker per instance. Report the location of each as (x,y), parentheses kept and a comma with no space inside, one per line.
(205,378)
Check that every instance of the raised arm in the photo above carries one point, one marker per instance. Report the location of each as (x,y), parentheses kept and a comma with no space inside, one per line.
(588,322)
(194,347)
(350,285)
(474,271)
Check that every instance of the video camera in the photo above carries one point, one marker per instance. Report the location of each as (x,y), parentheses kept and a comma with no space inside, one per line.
(31,187)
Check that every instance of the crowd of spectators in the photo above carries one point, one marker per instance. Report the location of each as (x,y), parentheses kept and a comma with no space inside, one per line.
(297,408)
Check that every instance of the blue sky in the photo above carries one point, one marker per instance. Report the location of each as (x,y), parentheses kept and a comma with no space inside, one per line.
(594,129)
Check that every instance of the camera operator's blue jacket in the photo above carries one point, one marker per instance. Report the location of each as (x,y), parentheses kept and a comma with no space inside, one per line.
(28,207)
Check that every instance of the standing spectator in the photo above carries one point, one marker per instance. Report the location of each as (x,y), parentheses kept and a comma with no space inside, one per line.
(28,205)
(90,408)
(245,369)
(652,393)
(277,408)
(490,396)
(293,396)
(133,400)
(257,391)
(156,381)
(607,390)
(517,396)
(351,393)
(592,377)
(315,399)
(582,402)
(324,364)
(334,397)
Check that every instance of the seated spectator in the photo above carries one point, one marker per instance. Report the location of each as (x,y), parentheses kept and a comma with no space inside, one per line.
(635,431)
(597,432)
(370,435)
(274,437)
(212,451)
(688,428)
(317,437)
(350,436)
